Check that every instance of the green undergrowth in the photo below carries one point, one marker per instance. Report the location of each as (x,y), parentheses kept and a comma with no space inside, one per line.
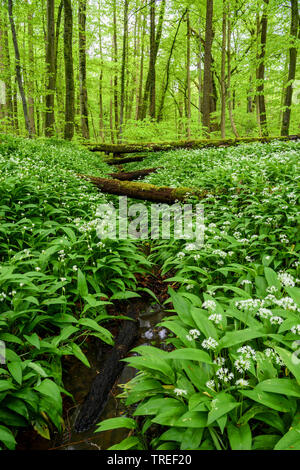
(232,380)
(56,277)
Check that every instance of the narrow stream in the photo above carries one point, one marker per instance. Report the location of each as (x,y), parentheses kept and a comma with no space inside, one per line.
(79,380)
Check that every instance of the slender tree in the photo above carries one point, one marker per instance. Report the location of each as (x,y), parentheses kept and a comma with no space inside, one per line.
(82,69)
(262,114)
(50,69)
(69,71)
(18,68)
(207,85)
(292,68)
(124,59)
(223,78)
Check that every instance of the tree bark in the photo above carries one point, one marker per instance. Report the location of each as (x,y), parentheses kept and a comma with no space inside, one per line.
(30,81)
(115,59)
(207,86)
(82,69)
(124,60)
(262,114)
(188,76)
(165,89)
(223,65)
(120,149)
(18,68)
(233,126)
(50,70)
(292,68)
(152,71)
(69,72)
(144,191)
(152,62)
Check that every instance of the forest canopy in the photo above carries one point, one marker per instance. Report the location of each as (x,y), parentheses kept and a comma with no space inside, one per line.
(137,70)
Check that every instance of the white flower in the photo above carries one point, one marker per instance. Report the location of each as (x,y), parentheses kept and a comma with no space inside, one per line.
(75,268)
(209,343)
(37,268)
(219,361)
(211,384)
(242,364)
(242,383)
(179,392)
(209,305)
(245,282)
(195,333)
(272,289)
(216,318)
(286,279)
(295,329)
(224,374)
(276,320)
(248,352)
(264,313)
(180,255)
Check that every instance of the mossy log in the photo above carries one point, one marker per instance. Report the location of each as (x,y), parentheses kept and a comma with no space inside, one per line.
(144,191)
(120,149)
(103,383)
(133,175)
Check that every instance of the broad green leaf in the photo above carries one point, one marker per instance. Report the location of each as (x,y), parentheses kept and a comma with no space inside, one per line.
(240,437)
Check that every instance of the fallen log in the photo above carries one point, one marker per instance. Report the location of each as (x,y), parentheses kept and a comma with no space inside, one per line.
(123,160)
(98,396)
(120,149)
(144,191)
(133,175)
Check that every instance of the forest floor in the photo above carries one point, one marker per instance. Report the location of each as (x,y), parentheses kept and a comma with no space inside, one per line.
(234,303)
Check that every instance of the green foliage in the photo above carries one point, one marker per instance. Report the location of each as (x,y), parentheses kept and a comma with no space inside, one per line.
(235,379)
(56,276)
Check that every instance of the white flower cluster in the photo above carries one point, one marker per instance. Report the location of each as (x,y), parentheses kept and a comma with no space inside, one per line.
(180,392)
(209,305)
(209,343)
(271,354)
(248,352)
(216,318)
(193,334)
(286,279)
(224,374)
(242,365)
(295,329)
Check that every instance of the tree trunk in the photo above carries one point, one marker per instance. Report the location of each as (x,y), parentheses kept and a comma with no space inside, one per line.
(223,65)
(82,70)
(207,86)
(139,100)
(50,70)
(115,59)
(30,81)
(152,71)
(292,68)
(124,59)
(144,191)
(5,69)
(188,76)
(261,71)
(153,56)
(233,126)
(69,72)
(165,89)
(18,68)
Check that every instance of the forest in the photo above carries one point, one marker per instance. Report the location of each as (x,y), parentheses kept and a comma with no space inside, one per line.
(179,336)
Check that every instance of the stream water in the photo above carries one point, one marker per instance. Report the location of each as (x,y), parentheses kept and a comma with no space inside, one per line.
(78,382)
